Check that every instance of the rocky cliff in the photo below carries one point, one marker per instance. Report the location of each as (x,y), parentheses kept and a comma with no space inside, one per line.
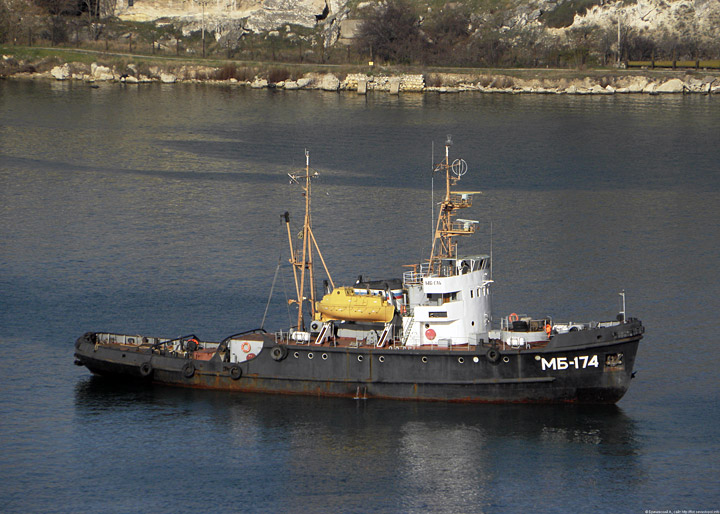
(694,22)
(697,22)
(232,18)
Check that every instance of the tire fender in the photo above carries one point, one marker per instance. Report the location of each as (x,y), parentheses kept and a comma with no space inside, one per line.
(188,370)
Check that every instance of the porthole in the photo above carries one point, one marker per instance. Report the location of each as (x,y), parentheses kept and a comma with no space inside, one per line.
(360,358)
(476,359)
(424,359)
(310,355)
(381,358)
(461,360)
(296,355)
(506,359)
(324,356)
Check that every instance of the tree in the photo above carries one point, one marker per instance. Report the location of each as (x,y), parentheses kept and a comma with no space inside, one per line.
(489,47)
(58,11)
(393,33)
(639,47)
(90,15)
(18,20)
(447,30)
(578,41)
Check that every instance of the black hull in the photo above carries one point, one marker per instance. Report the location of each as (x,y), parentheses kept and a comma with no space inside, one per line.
(580,370)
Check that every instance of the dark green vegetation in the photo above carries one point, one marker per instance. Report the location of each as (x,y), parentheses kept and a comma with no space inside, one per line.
(564,14)
(485,33)
(475,33)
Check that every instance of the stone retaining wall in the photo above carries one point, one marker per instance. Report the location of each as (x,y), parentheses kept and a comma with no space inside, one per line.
(694,82)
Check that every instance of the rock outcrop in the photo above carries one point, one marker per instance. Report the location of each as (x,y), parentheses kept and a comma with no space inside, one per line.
(329,82)
(61,72)
(671,86)
(101,73)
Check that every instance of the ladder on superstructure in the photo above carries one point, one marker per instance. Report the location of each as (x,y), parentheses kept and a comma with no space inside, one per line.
(384,336)
(406,333)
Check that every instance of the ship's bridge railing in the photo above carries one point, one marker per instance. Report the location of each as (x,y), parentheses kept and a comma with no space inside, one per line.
(417,273)
(461,226)
(446,268)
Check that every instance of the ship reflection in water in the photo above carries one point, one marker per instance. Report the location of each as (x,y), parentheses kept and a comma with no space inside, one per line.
(331,455)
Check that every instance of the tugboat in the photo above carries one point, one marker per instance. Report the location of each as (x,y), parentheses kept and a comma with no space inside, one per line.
(426,336)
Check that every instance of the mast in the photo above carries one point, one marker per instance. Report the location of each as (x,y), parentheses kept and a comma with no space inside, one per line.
(446,229)
(302,261)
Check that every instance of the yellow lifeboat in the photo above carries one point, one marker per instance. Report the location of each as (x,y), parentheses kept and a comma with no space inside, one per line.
(344,304)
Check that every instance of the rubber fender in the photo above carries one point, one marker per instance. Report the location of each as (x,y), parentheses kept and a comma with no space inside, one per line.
(188,370)
(278,352)
(146,369)
(493,355)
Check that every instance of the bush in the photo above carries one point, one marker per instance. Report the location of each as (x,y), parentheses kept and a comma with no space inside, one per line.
(227,72)
(433,80)
(484,80)
(503,82)
(276,75)
(245,74)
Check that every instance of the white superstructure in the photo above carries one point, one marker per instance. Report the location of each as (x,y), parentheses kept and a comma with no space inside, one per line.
(449,296)
(449,307)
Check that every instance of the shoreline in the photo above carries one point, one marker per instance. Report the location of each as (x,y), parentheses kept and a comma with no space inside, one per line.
(381,79)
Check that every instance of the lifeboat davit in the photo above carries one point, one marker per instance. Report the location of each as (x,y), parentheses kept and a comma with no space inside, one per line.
(344,304)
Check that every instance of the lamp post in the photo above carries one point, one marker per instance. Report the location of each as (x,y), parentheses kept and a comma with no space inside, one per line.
(203,3)
(619,54)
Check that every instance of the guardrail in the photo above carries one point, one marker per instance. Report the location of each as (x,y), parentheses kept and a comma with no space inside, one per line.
(674,64)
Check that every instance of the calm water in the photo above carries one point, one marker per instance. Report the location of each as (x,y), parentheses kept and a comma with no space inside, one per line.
(157,210)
